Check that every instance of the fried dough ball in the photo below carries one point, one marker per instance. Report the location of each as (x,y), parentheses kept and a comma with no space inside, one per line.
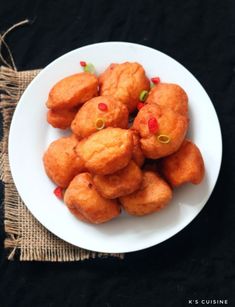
(137,156)
(170,124)
(185,165)
(61,161)
(153,195)
(106,151)
(61,118)
(121,183)
(103,108)
(169,95)
(124,82)
(72,91)
(86,203)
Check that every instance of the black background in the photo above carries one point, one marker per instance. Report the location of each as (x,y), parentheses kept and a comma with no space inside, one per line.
(199,262)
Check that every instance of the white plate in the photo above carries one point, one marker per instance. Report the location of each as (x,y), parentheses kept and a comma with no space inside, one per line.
(30,135)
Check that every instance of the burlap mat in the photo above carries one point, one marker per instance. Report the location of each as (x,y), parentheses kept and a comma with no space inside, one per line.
(24,234)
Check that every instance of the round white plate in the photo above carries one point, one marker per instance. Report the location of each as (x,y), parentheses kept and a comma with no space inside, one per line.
(30,135)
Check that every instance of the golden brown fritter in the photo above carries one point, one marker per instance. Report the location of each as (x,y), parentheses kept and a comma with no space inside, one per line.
(61,161)
(106,151)
(185,165)
(169,123)
(86,203)
(115,115)
(153,195)
(121,183)
(61,118)
(73,91)
(137,156)
(169,95)
(124,82)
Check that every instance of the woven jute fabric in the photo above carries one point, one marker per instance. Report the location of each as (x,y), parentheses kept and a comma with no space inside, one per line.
(25,236)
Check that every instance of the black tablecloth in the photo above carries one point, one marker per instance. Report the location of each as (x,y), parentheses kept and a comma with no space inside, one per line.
(196,264)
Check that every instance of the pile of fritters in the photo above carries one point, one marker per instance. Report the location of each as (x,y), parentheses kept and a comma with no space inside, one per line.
(107,163)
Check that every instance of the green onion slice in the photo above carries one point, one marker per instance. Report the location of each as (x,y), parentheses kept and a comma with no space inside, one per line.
(163,138)
(143,95)
(100,123)
(89,68)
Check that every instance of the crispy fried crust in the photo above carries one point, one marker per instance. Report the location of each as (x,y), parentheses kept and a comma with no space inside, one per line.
(170,123)
(124,82)
(72,91)
(121,183)
(169,95)
(116,115)
(153,195)
(106,151)
(185,165)
(61,161)
(87,204)
(137,156)
(61,118)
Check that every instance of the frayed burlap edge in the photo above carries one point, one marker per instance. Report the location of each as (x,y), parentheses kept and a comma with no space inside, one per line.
(11,88)
(9,95)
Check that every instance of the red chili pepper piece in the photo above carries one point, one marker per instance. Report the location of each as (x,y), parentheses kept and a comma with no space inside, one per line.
(58,192)
(83,63)
(140,105)
(155,80)
(103,106)
(153,125)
